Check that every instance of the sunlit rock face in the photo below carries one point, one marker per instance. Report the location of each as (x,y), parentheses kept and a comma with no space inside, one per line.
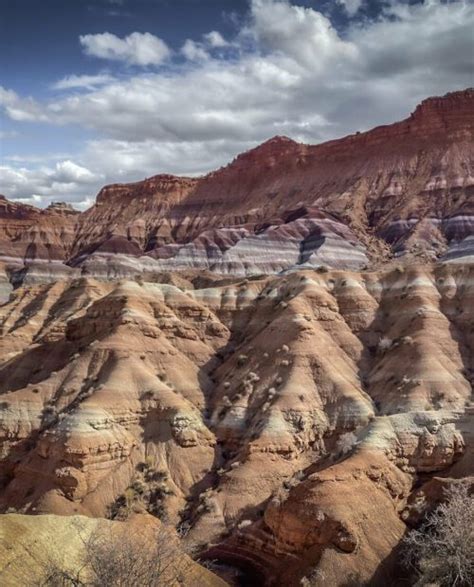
(286,420)
(276,358)
(403,191)
(34,244)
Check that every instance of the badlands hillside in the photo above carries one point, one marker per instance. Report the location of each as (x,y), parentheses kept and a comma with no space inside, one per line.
(276,360)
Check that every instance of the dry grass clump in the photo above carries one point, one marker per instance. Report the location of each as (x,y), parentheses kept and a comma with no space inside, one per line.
(121,558)
(441,550)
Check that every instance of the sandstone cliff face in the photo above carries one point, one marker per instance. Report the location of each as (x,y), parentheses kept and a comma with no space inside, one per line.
(281,423)
(34,244)
(404,190)
(408,186)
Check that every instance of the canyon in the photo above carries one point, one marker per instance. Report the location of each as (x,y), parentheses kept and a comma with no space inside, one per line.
(276,359)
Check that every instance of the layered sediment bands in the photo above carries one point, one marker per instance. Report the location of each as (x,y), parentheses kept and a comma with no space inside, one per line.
(35,244)
(311,240)
(404,190)
(284,420)
(152,361)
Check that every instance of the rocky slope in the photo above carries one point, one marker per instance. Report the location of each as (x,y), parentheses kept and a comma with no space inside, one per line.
(403,190)
(30,546)
(276,359)
(284,425)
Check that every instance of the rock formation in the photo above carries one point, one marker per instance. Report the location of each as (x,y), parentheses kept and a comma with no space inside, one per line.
(276,359)
(246,413)
(398,191)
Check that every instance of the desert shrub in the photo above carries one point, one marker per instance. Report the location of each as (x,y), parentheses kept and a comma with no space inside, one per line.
(441,550)
(346,443)
(385,344)
(241,360)
(120,558)
(147,491)
(49,411)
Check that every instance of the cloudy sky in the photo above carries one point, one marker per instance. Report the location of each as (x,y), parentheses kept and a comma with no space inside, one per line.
(103,91)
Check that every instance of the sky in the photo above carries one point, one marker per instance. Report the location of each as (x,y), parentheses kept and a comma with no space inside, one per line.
(107,91)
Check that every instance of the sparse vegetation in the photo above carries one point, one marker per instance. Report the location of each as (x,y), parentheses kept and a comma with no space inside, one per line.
(271,392)
(346,443)
(385,344)
(241,360)
(121,558)
(147,491)
(441,550)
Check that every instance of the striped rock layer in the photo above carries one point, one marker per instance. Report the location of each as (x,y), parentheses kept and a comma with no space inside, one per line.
(283,424)
(403,191)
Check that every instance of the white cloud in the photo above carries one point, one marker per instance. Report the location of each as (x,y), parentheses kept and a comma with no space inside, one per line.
(136,49)
(128,161)
(351,6)
(291,73)
(69,172)
(194,51)
(302,34)
(215,39)
(21,109)
(301,68)
(65,181)
(87,82)
(200,51)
